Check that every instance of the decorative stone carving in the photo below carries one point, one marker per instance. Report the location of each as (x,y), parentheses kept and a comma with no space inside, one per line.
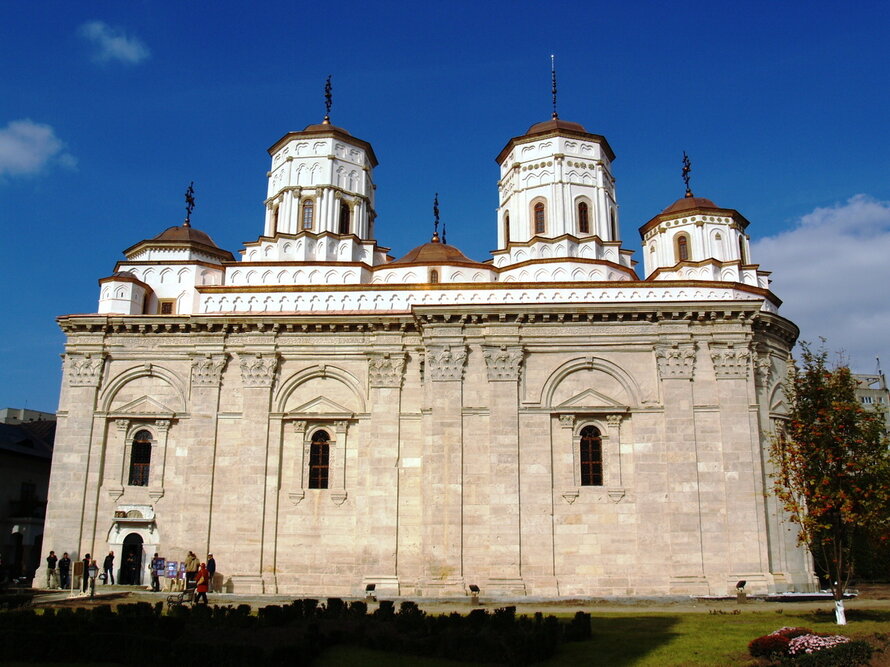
(615,494)
(571,496)
(614,421)
(207,371)
(122,425)
(341,426)
(763,369)
(258,371)
(386,369)
(567,421)
(85,371)
(445,362)
(675,361)
(338,497)
(296,496)
(503,363)
(162,425)
(729,361)
(299,426)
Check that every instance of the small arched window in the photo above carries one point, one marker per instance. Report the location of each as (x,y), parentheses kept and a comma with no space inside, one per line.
(540,223)
(591,456)
(434,276)
(583,218)
(140,459)
(742,255)
(344,218)
(506,228)
(319,460)
(274,219)
(682,248)
(614,225)
(308,213)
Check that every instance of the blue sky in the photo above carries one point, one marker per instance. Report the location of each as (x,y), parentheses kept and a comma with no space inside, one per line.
(109,109)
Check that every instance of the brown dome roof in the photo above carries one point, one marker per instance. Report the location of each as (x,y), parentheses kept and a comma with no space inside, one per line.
(688,203)
(188,234)
(556,124)
(434,252)
(325,127)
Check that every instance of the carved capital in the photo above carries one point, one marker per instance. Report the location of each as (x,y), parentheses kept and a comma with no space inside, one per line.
(299,426)
(503,363)
(675,361)
(341,426)
(207,370)
(122,425)
(446,362)
(163,425)
(257,370)
(730,361)
(567,421)
(386,369)
(614,421)
(85,371)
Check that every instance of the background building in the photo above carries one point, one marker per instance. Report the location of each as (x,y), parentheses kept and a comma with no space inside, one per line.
(323,416)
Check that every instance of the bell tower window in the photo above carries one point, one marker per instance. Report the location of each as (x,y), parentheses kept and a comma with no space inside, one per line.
(591,457)
(140,459)
(434,276)
(538,216)
(583,218)
(274,220)
(742,249)
(319,460)
(506,228)
(344,218)
(308,213)
(682,248)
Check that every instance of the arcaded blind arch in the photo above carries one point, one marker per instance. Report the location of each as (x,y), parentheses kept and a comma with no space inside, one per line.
(319,460)
(140,459)
(591,456)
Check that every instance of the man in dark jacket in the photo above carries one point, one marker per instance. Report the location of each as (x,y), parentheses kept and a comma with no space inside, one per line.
(65,571)
(108,568)
(86,573)
(211,570)
(51,561)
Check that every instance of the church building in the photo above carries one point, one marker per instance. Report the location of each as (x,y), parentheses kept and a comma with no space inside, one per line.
(323,416)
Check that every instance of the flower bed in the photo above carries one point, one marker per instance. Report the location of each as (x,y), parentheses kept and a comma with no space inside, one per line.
(803,647)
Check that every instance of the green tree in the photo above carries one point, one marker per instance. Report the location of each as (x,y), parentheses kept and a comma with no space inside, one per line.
(832,467)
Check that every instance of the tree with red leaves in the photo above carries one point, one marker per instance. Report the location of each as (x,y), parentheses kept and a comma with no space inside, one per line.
(832,467)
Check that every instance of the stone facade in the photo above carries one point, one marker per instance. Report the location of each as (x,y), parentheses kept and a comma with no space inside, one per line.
(441,443)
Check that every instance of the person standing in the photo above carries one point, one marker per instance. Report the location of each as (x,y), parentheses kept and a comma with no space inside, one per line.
(156,565)
(211,570)
(201,580)
(108,568)
(191,568)
(92,572)
(86,573)
(51,561)
(65,571)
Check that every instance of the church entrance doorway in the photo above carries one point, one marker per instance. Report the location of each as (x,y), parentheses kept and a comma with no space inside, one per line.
(131,561)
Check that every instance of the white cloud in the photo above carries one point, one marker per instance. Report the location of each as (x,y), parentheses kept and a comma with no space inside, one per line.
(27,148)
(832,270)
(112,44)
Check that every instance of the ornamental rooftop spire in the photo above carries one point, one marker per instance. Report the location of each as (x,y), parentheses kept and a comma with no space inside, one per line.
(328,101)
(687,168)
(435,238)
(189,204)
(553,82)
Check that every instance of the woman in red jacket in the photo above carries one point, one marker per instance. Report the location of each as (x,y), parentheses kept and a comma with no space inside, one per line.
(202,579)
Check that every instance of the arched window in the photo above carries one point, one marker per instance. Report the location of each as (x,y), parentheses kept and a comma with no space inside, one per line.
(319,460)
(434,276)
(274,219)
(614,225)
(591,457)
(742,249)
(583,218)
(682,248)
(506,228)
(344,218)
(140,459)
(540,224)
(308,213)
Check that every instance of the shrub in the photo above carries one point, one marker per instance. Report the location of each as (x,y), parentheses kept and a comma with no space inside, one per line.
(769,646)
(813,643)
(848,654)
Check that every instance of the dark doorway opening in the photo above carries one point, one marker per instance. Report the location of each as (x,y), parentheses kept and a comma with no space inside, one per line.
(130,573)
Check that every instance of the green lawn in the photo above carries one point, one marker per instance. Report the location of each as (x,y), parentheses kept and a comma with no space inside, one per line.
(659,639)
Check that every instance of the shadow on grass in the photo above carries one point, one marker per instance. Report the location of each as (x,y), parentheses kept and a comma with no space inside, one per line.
(618,640)
(853,615)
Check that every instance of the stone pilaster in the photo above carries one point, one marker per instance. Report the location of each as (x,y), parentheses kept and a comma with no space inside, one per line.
(503,365)
(381,472)
(676,369)
(442,467)
(159,460)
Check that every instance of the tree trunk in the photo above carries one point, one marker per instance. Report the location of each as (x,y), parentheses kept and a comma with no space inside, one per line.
(839,614)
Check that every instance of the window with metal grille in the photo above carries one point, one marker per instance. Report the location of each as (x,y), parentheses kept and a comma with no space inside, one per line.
(140,459)
(591,457)
(539,218)
(308,213)
(344,218)
(583,218)
(319,460)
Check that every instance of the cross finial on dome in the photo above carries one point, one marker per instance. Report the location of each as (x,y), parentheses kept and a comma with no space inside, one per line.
(553,81)
(328,101)
(687,167)
(435,238)
(189,204)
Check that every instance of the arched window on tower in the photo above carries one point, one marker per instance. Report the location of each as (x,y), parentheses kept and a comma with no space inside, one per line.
(682,247)
(614,225)
(308,213)
(274,220)
(591,457)
(540,221)
(140,459)
(319,460)
(506,228)
(344,218)
(434,276)
(583,218)
(742,255)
